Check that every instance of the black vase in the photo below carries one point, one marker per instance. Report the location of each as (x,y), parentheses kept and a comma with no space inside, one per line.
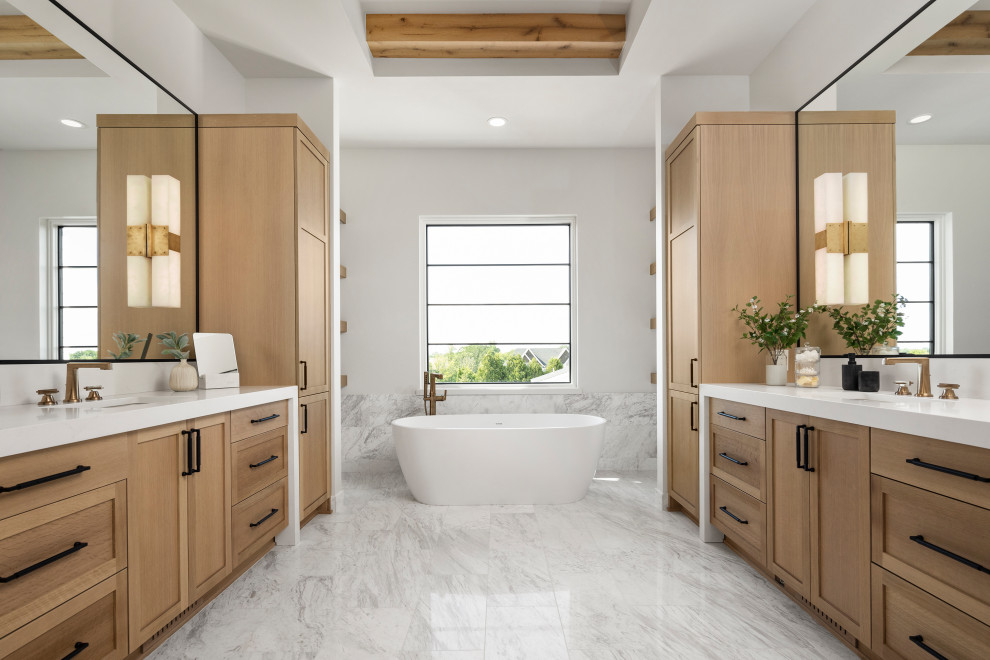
(850,374)
(869,381)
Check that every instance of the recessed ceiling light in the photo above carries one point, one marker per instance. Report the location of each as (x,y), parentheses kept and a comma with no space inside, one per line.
(920,119)
(497,122)
(72,123)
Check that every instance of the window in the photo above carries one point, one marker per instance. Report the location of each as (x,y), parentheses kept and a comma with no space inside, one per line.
(74,289)
(498,300)
(916,270)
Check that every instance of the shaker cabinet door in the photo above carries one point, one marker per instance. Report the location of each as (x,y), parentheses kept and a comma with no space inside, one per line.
(313,303)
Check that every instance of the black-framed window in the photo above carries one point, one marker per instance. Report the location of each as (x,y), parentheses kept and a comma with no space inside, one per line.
(916,283)
(499,302)
(77,292)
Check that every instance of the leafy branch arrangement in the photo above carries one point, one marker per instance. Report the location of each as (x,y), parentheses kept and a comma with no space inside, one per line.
(774,332)
(126,342)
(174,344)
(872,325)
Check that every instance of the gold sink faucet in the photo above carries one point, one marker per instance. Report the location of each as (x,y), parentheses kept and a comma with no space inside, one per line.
(430,397)
(925,379)
(72,381)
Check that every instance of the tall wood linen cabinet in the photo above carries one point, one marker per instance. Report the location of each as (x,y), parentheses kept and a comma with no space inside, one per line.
(730,234)
(264,266)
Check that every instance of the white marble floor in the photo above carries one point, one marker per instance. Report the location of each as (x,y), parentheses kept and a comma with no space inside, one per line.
(611,576)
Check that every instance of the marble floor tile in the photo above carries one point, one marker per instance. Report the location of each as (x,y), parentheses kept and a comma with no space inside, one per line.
(611,577)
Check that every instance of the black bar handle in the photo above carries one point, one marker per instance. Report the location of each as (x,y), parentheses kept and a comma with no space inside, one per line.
(76,547)
(694,406)
(920,641)
(267,460)
(807,456)
(305,384)
(76,650)
(266,419)
(693,360)
(305,407)
(189,453)
(255,524)
(733,516)
(797,444)
(730,416)
(955,473)
(920,540)
(44,480)
(729,458)
(199,450)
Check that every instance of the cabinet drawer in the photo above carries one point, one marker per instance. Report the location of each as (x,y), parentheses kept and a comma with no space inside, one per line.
(258,519)
(904,617)
(741,417)
(94,623)
(890,453)
(247,422)
(739,460)
(743,519)
(50,475)
(259,461)
(51,554)
(910,527)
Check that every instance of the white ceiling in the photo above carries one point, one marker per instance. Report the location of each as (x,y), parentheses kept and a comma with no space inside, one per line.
(433,103)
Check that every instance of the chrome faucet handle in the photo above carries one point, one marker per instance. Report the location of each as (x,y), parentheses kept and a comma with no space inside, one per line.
(94,392)
(948,390)
(902,387)
(46,397)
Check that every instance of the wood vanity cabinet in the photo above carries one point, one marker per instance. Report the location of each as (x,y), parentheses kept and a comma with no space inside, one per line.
(179,532)
(265,261)
(819,515)
(682,450)
(314,459)
(729,235)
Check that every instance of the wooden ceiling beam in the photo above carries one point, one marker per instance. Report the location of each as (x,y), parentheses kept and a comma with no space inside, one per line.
(967,34)
(598,36)
(23,39)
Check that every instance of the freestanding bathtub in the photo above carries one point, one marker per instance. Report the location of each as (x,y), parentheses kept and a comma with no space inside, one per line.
(499,459)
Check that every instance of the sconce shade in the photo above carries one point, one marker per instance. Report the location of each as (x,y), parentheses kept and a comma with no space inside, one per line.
(856,213)
(841,259)
(154,218)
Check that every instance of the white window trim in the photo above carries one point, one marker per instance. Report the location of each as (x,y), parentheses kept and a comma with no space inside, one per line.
(942,252)
(498,388)
(48,231)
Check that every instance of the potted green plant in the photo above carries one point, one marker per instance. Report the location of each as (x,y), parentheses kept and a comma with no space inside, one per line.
(774,332)
(184,377)
(126,342)
(870,327)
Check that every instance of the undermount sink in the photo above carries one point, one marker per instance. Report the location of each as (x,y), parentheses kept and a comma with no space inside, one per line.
(120,402)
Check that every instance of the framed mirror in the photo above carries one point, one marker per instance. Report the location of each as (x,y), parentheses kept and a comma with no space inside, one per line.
(97,196)
(902,141)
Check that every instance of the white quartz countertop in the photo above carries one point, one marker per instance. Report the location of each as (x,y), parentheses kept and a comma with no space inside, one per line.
(27,428)
(965,421)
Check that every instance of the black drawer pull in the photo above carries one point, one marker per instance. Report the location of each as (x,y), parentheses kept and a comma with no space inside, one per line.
(76,547)
(44,480)
(255,524)
(733,516)
(954,473)
(730,416)
(807,456)
(265,419)
(77,649)
(920,540)
(267,460)
(920,641)
(729,458)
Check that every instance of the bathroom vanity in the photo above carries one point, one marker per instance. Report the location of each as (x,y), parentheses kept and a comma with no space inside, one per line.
(121,518)
(872,511)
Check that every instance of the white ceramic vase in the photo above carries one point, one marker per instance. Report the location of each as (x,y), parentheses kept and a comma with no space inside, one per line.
(184,377)
(777,373)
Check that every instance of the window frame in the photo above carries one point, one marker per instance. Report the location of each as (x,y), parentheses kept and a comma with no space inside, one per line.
(500,388)
(941,273)
(51,327)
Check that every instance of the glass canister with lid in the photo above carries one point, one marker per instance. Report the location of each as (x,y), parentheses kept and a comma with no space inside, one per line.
(807,366)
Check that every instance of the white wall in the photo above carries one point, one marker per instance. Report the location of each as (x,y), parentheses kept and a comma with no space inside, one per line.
(953,179)
(310,98)
(34,185)
(384,192)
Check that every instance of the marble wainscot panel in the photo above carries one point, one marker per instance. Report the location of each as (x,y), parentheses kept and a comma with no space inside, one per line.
(630,435)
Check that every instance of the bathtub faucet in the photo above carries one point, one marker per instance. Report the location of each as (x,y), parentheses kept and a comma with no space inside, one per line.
(430,397)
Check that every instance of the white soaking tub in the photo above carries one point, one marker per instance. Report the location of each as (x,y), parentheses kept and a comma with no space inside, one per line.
(499,459)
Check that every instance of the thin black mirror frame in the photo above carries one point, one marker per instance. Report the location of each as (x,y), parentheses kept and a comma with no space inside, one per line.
(797,168)
(195,115)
